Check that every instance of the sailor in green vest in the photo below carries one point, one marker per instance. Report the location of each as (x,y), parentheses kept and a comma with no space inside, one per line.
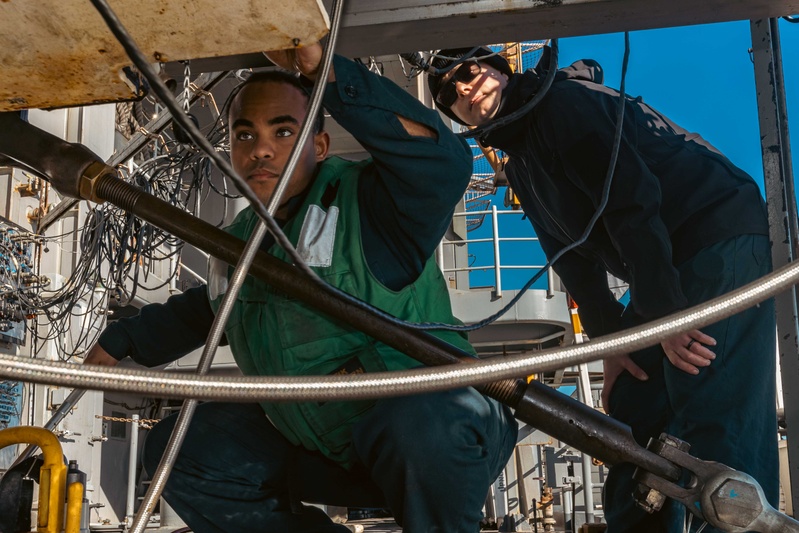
(369,228)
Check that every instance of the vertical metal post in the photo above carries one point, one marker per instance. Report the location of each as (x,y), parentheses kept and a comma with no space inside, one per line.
(782,214)
(174,264)
(588,481)
(524,506)
(132,462)
(550,283)
(567,501)
(497,265)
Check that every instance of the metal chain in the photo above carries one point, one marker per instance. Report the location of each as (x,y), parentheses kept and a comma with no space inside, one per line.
(146,423)
(186,86)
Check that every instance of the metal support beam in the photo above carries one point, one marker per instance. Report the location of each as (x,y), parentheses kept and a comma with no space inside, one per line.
(388,26)
(380,27)
(782,214)
(584,393)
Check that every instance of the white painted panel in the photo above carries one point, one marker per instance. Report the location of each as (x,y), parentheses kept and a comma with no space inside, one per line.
(98,129)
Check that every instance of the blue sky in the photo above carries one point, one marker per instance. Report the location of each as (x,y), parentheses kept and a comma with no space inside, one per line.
(701,77)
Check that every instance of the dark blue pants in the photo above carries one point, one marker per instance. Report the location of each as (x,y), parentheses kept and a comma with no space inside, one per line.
(728,411)
(429,458)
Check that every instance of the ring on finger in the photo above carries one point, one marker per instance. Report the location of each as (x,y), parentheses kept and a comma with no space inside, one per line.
(688,346)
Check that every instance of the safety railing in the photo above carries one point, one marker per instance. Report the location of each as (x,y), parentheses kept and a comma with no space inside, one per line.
(498,261)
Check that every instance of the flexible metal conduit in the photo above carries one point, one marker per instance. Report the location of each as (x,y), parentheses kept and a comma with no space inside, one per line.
(382,384)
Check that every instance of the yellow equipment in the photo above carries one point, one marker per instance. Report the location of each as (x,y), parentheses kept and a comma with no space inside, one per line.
(52,480)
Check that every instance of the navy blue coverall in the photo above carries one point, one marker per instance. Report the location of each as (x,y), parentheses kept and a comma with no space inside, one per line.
(682,225)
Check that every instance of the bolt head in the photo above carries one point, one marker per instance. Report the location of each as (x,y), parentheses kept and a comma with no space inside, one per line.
(736,503)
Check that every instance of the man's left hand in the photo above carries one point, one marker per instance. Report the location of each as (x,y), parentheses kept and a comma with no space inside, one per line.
(688,351)
(611,369)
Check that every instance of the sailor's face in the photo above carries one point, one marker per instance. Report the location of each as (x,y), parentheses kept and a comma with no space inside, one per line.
(478,94)
(265,119)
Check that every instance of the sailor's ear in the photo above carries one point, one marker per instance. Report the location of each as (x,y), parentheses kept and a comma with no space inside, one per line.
(321,145)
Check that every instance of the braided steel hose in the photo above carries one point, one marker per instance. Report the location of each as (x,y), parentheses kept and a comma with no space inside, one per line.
(383,384)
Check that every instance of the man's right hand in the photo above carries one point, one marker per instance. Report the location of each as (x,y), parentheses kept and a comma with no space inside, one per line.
(614,366)
(304,60)
(98,356)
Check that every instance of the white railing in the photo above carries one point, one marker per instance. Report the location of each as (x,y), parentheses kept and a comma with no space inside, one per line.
(498,267)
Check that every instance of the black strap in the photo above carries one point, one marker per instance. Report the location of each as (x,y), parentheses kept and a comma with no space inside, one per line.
(16,495)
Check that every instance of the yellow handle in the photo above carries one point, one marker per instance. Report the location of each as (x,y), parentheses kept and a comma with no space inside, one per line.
(74,507)
(53,476)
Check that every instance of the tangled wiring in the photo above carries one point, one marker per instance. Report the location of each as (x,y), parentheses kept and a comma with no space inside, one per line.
(117,254)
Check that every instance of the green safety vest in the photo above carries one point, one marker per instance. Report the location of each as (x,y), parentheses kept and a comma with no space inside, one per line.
(272,334)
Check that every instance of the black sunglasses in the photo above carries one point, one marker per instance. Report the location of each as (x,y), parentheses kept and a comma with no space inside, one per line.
(465,73)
